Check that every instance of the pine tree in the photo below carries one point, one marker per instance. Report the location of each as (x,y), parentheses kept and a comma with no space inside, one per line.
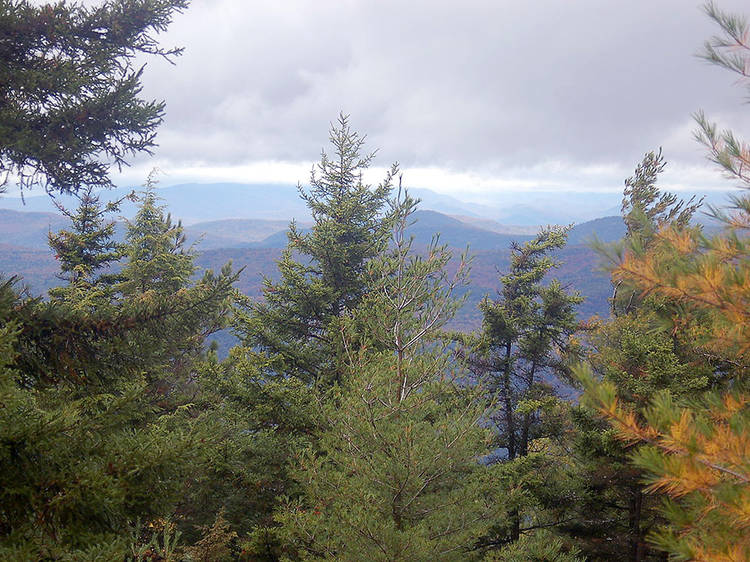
(393,475)
(523,329)
(731,51)
(696,453)
(645,210)
(694,449)
(260,395)
(634,352)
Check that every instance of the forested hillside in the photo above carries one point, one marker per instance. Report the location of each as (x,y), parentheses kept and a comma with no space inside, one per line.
(247,245)
(575,392)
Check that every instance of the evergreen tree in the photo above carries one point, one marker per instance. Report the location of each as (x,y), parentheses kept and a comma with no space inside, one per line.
(393,475)
(260,425)
(696,454)
(70,88)
(101,444)
(157,276)
(84,457)
(634,352)
(645,210)
(86,249)
(522,331)
(694,449)
(94,459)
(730,51)
(518,353)
(322,272)
(157,259)
(291,339)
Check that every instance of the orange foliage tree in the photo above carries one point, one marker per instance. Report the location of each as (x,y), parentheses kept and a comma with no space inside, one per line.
(697,451)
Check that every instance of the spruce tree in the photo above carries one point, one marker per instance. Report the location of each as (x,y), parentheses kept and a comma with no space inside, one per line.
(87,251)
(70,89)
(291,339)
(93,461)
(87,466)
(322,271)
(101,445)
(157,259)
(518,353)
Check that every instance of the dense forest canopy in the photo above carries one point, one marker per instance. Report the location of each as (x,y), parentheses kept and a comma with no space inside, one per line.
(349,421)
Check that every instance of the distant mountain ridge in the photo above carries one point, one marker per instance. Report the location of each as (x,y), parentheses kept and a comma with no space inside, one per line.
(30,229)
(195,203)
(256,244)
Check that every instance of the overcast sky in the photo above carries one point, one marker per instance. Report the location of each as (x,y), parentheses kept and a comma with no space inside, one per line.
(470,97)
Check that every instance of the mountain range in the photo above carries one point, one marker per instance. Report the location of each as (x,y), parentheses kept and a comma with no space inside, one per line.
(256,244)
(30,230)
(511,211)
(247,224)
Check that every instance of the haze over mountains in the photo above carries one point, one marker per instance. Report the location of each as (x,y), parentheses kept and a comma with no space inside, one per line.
(219,201)
(194,203)
(29,230)
(247,224)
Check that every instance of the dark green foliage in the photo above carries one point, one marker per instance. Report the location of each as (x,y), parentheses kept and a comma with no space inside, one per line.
(394,473)
(522,331)
(98,433)
(83,451)
(292,338)
(543,546)
(322,272)
(518,357)
(258,426)
(348,425)
(639,357)
(85,249)
(70,103)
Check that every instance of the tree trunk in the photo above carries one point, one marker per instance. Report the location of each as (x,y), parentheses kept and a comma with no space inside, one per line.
(508,404)
(526,426)
(635,538)
(511,432)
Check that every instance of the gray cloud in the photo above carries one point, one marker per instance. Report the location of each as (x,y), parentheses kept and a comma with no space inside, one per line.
(476,86)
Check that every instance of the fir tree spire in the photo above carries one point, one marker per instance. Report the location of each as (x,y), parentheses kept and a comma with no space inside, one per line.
(323,270)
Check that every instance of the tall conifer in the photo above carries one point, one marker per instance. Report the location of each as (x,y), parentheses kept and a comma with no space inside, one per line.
(518,352)
(394,473)
(322,271)
(87,251)
(634,352)
(694,449)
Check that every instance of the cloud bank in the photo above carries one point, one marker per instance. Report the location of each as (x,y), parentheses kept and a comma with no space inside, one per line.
(477,95)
